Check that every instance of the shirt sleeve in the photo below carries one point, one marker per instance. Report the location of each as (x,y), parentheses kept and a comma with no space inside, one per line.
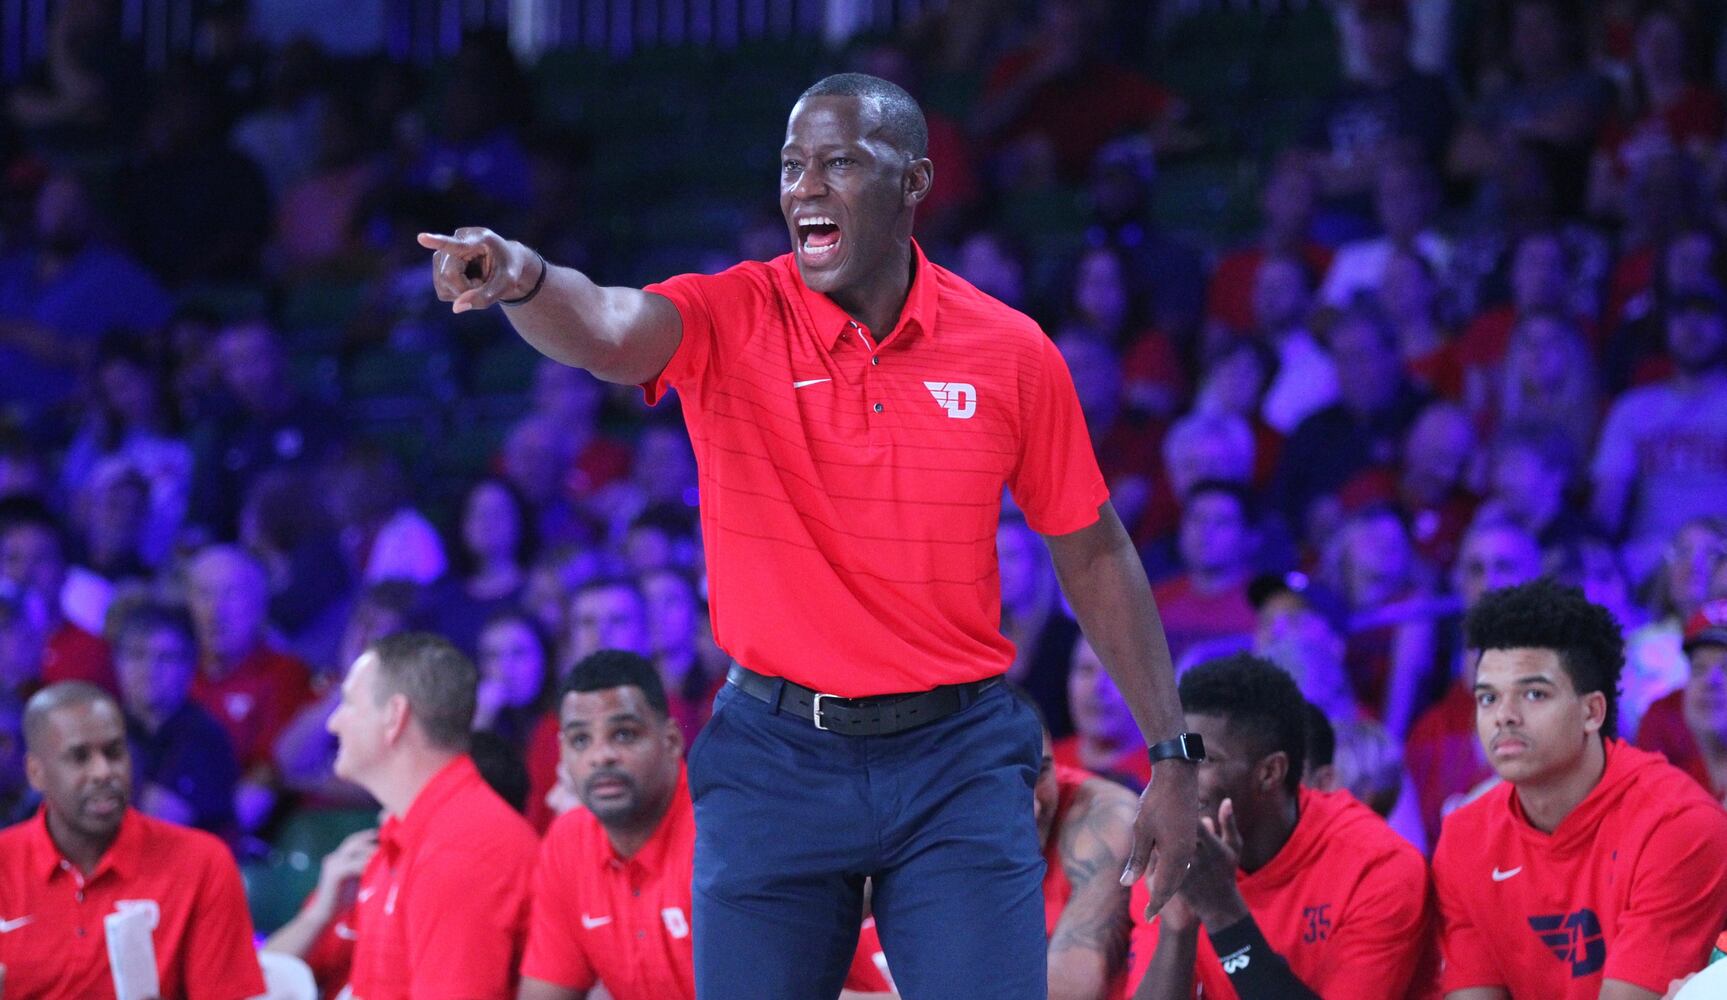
(221,961)
(1677,898)
(1056,480)
(1386,933)
(1616,453)
(1467,959)
(718,313)
(555,950)
(465,925)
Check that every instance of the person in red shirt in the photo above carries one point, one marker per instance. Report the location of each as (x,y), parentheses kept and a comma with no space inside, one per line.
(1209,602)
(1105,741)
(857,411)
(442,908)
(251,688)
(1689,726)
(1295,893)
(1593,869)
(33,562)
(88,855)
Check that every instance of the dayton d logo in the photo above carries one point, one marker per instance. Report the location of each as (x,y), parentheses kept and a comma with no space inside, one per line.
(959,399)
(1575,938)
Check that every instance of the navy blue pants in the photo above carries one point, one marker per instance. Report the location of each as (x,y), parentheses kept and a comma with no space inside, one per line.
(790,820)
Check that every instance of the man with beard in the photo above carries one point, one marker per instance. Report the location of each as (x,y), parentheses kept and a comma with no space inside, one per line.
(443,904)
(88,855)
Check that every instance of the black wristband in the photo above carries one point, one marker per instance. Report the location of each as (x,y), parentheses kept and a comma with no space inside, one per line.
(1255,970)
(541,280)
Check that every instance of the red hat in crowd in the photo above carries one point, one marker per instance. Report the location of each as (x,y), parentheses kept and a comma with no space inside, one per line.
(1708,627)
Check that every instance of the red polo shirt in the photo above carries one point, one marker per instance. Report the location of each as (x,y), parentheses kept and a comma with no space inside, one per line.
(443,906)
(1631,885)
(52,938)
(626,921)
(1345,902)
(255,700)
(851,490)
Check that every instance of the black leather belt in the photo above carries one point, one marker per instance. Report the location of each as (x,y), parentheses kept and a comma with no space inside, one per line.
(882,715)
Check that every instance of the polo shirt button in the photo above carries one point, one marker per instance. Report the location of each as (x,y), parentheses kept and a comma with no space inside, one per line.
(79,896)
(80,932)
(878,407)
(874,360)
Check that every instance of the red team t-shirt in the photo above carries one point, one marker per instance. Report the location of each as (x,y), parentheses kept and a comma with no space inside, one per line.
(850,491)
(255,700)
(1345,902)
(442,909)
(1632,885)
(54,944)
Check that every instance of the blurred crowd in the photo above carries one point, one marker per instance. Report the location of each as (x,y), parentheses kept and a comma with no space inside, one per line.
(1472,331)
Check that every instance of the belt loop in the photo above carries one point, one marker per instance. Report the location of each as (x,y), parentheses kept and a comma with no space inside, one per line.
(779,692)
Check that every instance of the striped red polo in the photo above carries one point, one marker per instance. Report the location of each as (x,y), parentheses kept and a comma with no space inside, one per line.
(850,489)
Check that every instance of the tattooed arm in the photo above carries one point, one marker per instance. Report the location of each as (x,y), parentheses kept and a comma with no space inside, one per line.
(1089,944)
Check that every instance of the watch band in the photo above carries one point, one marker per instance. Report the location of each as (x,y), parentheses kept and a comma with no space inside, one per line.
(1185,746)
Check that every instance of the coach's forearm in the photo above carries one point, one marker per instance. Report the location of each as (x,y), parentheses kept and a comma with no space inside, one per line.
(622,335)
(1170,974)
(1105,582)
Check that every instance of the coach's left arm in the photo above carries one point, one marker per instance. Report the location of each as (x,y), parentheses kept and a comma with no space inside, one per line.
(1105,582)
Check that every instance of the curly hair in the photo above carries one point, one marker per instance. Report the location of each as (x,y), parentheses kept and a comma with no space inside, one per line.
(1261,702)
(1546,614)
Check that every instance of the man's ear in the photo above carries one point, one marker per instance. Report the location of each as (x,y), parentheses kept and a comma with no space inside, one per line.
(1271,771)
(919,178)
(33,772)
(1594,711)
(396,714)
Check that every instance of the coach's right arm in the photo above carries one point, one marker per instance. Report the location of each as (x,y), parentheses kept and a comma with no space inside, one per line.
(622,335)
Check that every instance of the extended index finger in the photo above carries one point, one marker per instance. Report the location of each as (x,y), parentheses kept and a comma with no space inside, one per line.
(439,241)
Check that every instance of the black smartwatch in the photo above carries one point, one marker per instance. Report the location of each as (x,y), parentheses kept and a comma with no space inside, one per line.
(1187,746)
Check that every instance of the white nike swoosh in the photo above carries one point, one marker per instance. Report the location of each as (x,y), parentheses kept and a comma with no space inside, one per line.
(346,933)
(8,926)
(589,923)
(1499,876)
(809,381)
(365,894)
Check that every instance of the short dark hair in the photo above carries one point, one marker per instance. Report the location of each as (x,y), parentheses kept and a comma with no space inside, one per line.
(1321,738)
(901,117)
(1260,701)
(54,697)
(616,668)
(1547,614)
(155,616)
(438,680)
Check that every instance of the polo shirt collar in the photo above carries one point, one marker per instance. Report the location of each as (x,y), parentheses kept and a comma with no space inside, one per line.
(676,826)
(400,834)
(832,322)
(124,856)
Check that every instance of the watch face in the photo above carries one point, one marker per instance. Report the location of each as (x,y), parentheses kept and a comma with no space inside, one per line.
(1192,746)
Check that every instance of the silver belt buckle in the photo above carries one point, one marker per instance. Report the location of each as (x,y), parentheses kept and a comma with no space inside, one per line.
(816,711)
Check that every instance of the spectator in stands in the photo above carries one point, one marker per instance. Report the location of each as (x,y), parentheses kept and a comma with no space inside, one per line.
(319,215)
(1364,428)
(990,260)
(1119,193)
(1662,458)
(1062,93)
(1688,265)
(494,548)
(311,586)
(185,770)
(1549,377)
(1689,726)
(1105,740)
(1445,760)
(1390,109)
(1540,284)
(1321,894)
(1405,198)
(1234,381)
(1601,855)
(676,619)
(664,472)
(1367,764)
(1286,205)
(1033,618)
(515,677)
(1106,305)
(21,651)
(608,613)
(33,566)
(261,423)
(662,537)
(384,536)
(88,853)
(111,517)
(197,210)
(573,399)
(477,151)
(443,904)
(1373,564)
(1533,468)
(535,458)
(252,688)
(63,291)
(1306,379)
(1126,442)
(1432,486)
(1208,602)
(1303,627)
(1410,295)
